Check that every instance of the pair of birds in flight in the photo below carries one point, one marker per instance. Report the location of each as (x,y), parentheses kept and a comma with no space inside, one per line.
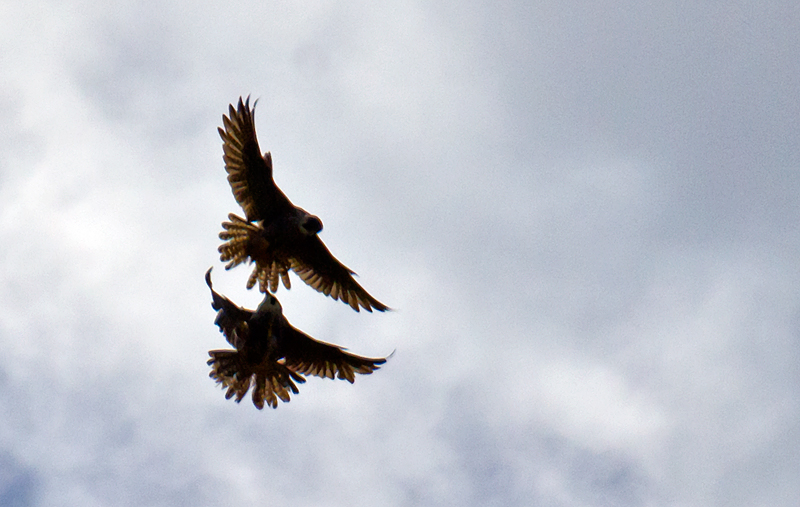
(270,355)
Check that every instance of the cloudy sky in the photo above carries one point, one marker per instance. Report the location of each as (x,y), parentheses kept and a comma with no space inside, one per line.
(585,218)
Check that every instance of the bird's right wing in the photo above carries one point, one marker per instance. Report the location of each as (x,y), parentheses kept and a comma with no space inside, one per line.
(249,173)
(231,318)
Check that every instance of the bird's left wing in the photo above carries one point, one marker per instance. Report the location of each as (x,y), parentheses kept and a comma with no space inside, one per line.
(317,267)
(307,356)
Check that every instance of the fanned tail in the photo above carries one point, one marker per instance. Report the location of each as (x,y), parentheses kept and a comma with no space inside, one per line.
(245,241)
(270,381)
(239,236)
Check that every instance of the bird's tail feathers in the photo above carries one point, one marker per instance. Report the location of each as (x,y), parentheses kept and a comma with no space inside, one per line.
(270,381)
(238,235)
(268,276)
(244,241)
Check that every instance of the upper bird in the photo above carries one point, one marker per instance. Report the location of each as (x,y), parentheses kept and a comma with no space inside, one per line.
(277,235)
(272,354)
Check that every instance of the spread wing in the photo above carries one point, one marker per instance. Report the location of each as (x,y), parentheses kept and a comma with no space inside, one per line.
(317,266)
(249,173)
(231,319)
(307,356)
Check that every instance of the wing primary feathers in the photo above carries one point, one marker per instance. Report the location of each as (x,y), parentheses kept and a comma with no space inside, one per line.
(249,172)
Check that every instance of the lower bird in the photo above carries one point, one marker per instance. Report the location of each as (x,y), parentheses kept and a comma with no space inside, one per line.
(271,355)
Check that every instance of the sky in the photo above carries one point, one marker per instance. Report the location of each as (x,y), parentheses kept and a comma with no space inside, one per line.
(585,218)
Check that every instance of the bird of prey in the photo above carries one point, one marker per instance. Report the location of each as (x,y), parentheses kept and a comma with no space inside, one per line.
(276,235)
(272,355)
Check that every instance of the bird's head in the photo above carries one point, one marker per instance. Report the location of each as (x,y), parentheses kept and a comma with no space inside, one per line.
(310,224)
(269,306)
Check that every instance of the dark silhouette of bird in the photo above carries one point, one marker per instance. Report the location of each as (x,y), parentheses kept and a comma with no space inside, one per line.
(271,355)
(276,235)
